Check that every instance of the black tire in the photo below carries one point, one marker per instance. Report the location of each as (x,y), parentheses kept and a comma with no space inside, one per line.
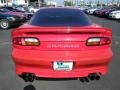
(4,24)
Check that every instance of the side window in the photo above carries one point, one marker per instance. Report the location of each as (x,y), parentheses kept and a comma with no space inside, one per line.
(0,17)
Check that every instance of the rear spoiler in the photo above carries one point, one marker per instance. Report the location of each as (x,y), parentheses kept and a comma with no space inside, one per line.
(62,30)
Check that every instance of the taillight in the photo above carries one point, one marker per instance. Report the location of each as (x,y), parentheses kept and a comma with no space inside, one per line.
(98,41)
(26,41)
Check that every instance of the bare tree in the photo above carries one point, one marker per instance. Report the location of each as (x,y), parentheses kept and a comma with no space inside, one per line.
(113,2)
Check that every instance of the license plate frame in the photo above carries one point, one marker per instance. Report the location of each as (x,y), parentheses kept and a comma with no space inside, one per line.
(63,66)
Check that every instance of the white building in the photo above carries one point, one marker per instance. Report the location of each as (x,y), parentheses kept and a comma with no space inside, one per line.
(20,2)
(52,3)
(5,2)
(11,2)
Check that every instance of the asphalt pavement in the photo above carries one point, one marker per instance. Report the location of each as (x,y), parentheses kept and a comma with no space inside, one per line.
(10,81)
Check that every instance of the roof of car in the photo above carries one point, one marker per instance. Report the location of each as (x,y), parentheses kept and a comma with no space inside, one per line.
(60,8)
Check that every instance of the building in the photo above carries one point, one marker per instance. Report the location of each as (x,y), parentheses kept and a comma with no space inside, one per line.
(11,2)
(5,2)
(51,3)
(20,2)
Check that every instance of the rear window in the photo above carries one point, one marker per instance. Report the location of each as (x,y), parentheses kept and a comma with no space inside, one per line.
(60,17)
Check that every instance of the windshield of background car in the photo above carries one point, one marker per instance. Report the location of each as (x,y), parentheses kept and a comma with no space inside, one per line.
(10,8)
(60,17)
(3,10)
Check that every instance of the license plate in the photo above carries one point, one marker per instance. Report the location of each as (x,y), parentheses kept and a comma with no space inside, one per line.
(63,66)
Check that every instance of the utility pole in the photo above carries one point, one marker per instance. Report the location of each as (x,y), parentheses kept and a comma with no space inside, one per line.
(7,2)
(118,3)
(40,2)
(90,3)
(101,5)
(28,2)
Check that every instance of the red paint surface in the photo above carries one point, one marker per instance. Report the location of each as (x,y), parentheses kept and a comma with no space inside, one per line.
(62,44)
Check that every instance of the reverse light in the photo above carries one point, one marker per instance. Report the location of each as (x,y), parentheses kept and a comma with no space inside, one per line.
(26,41)
(98,41)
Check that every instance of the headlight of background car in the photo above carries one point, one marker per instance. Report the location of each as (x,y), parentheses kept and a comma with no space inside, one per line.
(11,18)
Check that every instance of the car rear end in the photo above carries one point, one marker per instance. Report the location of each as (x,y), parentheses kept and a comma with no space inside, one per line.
(114,15)
(63,51)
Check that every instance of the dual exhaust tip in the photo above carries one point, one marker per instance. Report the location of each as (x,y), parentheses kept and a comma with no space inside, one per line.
(92,76)
(30,77)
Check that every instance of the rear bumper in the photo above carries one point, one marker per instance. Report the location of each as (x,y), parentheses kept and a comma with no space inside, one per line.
(41,62)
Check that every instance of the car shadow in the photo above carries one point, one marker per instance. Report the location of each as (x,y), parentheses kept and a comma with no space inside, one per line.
(29,87)
(32,87)
(55,79)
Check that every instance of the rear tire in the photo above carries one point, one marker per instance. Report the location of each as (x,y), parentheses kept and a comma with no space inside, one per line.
(4,24)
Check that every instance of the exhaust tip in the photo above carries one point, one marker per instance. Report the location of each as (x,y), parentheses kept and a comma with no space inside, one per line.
(94,76)
(28,77)
(91,77)
(97,77)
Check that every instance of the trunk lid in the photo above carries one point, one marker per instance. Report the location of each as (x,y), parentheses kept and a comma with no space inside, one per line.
(59,38)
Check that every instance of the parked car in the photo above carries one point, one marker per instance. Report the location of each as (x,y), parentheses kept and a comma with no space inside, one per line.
(7,21)
(100,12)
(22,15)
(91,10)
(86,10)
(116,11)
(22,8)
(83,8)
(106,14)
(12,9)
(114,15)
(33,9)
(26,16)
(61,43)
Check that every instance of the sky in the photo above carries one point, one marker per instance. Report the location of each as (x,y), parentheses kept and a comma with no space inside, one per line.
(60,2)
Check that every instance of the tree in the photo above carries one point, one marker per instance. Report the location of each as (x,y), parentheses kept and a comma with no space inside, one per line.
(68,3)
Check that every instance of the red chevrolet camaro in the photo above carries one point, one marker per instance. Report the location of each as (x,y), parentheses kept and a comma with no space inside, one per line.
(61,43)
